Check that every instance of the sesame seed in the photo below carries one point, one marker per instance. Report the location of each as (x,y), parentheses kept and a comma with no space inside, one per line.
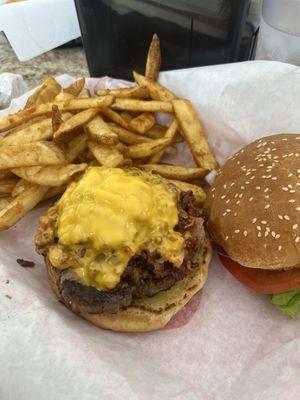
(227,201)
(266,190)
(292,191)
(290,186)
(232,184)
(285,139)
(285,189)
(279,248)
(295,226)
(292,201)
(247,182)
(268,229)
(252,177)
(267,196)
(224,213)
(213,189)
(290,174)
(263,222)
(251,198)
(280,216)
(266,233)
(223,196)
(257,187)
(259,234)
(238,202)
(226,237)
(297,239)
(240,195)
(274,178)
(267,206)
(277,236)
(254,220)
(237,231)
(258,228)
(245,233)
(273,233)
(286,217)
(297,208)
(235,214)
(228,210)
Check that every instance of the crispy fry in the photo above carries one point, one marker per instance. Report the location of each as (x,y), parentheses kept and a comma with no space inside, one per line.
(194,134)
(127,136)
(76,146)
(147,149)
(156,156)
(75,88)
(170,134)
(7,185)
(20,206)
(84,94)
(153,59)
(62,96)
(136,92)
(156,132)
(20,187)
(157,91)
(30,154)
(176,172)
(39,131)
(18,118)
(53,175)
(127,115)
(115,117)
(142,123)
(4,174)
(198,192)
(44,93)
(100,132)
(4,201)
(142,105)
(68,129)
(106,155)
(56,118)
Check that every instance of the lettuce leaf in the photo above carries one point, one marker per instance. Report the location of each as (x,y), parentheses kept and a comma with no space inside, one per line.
(287,302)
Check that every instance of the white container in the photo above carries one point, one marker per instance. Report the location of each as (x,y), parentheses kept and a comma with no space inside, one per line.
(279,35)
(35,26)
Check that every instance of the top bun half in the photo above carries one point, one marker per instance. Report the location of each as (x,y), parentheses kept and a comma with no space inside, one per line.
(253,208)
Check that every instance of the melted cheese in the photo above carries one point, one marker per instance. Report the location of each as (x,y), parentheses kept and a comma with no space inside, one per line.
(114,214)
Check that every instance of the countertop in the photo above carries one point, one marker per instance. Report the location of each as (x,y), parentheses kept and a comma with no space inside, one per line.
(69,60)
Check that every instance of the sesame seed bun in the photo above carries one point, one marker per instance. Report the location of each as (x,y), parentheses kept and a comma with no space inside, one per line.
(148,313)
(253,208)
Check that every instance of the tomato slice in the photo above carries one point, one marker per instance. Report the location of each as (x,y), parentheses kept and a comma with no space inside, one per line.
(261,280)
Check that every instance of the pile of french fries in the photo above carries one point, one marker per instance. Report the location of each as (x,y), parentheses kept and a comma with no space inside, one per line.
(61,131)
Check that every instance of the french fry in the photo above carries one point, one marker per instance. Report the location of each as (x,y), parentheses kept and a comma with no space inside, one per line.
(5,201)
(176,172)
(115,117)
(56,118)
(86,156)
(127,115)
(170,134)
(156,132)
(18,118)
(136,92)
(20,206)
(198,192)
(127,136)
(157,91)
(39,131)
(194,134)
(142,123)
(75,88)
(148,148)
(76,146)
(84,94)
(63,96)
(20,187)
(100,132)
(44,93)
(153,59)
(7,185)
(4,174)
(142,105)
(30,154)
(53,175)
(68,129)
(106,155)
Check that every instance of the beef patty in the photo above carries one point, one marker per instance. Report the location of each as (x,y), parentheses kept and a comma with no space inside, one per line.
(145,275)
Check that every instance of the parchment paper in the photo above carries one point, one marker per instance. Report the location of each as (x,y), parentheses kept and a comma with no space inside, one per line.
(228,343)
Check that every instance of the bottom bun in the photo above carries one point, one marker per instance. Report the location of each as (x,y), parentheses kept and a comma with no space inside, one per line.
(148,313)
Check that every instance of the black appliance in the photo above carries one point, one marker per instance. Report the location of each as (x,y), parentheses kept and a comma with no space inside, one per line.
(116,33)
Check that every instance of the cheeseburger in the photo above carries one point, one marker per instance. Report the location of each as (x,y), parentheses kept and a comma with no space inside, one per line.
(253,212)
(124,249)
